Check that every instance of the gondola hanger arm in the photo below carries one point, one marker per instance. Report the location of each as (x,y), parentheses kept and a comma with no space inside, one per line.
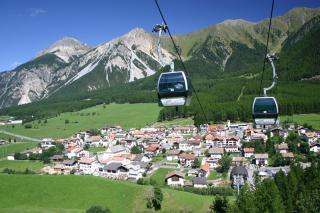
(271,58)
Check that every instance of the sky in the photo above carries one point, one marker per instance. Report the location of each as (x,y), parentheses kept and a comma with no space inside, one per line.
(29,26)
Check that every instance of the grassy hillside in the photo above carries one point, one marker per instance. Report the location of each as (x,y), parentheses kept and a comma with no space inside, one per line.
(5,150)
(21,165)
(77,193)
(66,124)
(311,119)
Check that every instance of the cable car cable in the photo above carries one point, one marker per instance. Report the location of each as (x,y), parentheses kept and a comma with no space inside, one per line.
(266,50)
(184,67)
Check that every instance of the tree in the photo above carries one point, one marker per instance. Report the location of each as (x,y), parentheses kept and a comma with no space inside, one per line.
(268,198)
(157,198)
(219,205)
(136,149)
(94,131)
(225,163)
(196,163)
(245,200)
(86,147)
(98,209)
(59,148)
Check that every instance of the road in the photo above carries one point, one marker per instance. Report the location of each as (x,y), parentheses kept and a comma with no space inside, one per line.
(20,136)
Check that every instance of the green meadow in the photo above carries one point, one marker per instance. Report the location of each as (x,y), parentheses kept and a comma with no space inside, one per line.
(5,150)
(44,193)
(66,124)
(21,165)
(311,119)
(159,176)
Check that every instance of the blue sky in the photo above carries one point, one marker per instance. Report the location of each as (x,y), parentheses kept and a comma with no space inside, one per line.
(28,26)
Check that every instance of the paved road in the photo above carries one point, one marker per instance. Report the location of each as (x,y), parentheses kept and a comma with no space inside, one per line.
(20,136)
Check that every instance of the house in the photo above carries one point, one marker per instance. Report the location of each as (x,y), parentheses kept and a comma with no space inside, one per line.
(175,178)
(152,149)
(238,176)
(199,182)
(287,155)
(239,161)
(70,164)
(199,152)
(279,132)
(204,170)
(216,128)
(216,152)
(116,171)
(282,147)
(57,158)
(28,152)
(114,150)
(95,141)
(74,152)
(186,160)
(315,147)
(10,157)
(310,137)
(261,159)
(58,169)
(231,148)
(193,173)
(173,154)
(248,152)
(88,165)
(137,169)
(46,143)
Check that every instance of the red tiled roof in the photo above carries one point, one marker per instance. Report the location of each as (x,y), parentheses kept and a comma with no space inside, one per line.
(205,167)
(152,147)
(248,150)
(187,156)
(212,128)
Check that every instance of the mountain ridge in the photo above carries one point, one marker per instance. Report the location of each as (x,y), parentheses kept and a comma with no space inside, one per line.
(232,46)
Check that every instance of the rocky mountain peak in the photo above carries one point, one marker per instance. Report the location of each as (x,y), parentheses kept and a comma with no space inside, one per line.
(236,22)
(66,49)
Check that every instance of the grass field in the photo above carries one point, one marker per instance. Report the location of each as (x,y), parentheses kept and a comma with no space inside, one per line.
(125,115)
(5,150)
(159,176)
(311,119)
(21,165)
(95,150)
(179,121)
(214,175)
(7,137)
(35,193)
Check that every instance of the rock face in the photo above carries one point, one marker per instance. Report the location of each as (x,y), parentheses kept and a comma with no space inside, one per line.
(70,62)
(69,66)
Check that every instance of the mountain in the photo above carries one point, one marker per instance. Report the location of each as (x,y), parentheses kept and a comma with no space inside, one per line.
(237,45)
(71,64)
(66,49)
(70,68)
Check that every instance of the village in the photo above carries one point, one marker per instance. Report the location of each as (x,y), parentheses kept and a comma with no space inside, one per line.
(212,155)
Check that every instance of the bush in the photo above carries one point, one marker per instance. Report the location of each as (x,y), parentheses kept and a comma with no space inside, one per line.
(28,126)
(140,181)
(98,209)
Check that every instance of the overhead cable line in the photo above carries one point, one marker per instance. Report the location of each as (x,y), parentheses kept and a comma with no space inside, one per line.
(266,50)
(178,53)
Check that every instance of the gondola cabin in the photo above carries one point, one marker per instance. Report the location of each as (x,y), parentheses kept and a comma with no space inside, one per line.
(265,110)
(174,89)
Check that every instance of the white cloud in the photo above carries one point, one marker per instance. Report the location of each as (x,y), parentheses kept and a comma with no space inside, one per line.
(15,64)
(33,12)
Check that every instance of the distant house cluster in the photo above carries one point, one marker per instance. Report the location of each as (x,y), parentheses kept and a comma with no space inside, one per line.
(192,153)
